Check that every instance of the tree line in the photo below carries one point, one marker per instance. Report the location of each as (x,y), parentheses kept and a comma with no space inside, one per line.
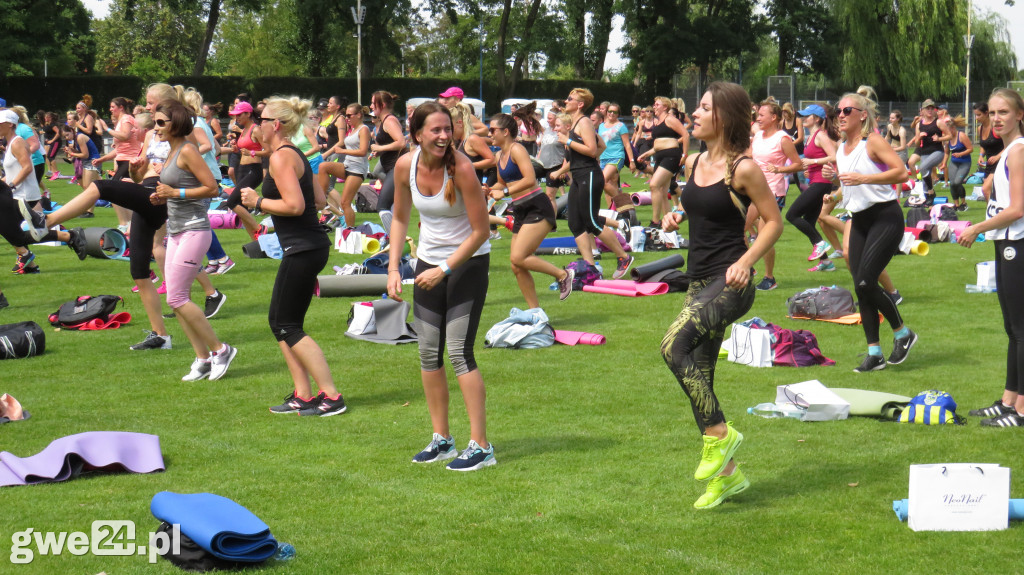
(907,49)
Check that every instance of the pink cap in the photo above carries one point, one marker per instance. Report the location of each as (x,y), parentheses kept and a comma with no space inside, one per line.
(453,92)
(241,108)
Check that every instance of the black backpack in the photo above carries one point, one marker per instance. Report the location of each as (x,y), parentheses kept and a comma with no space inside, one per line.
(915,215)
(75,313)
(21,340)
(821,303)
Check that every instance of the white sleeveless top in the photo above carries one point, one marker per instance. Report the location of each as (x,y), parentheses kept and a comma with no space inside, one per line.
(356,164)
(28,189)
(1000,200)
(862,197)
(443,227)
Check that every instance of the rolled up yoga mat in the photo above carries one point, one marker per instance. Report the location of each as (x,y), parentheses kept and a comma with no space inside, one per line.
(224,220)
(217,524)
(68,457)
(578,338)
(641,198)
(558,242)
(920,234)
(351,285)
(919,248)
(573,251)
(641,273)
(1016,511)
(105,243)
(626,288)
(370,245)
(253,250)
(561,205)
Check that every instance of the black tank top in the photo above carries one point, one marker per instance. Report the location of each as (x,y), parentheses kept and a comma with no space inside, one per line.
(992,145)
(792,134)
(94,136)
(387,159)
(891,137)
(716,226)
(579,162)
(484,176)
(301,233)
(928,144)
(332,133)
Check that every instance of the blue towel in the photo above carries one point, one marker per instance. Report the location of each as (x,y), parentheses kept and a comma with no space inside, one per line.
(563,242)
(217,524)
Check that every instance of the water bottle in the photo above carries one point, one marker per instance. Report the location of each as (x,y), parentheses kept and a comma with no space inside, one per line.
(771,410)
(974,288)
(285,552)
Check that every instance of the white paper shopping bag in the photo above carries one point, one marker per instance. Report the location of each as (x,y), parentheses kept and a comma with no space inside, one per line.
(959,497)
(818,402)
(750,346)
(986,274)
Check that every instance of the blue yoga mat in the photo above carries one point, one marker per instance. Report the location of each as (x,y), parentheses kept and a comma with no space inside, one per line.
(565,242)
(900,506)
(217,524)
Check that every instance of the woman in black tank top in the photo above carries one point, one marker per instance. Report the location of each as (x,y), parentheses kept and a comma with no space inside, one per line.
(721,184)
(991,145)
(389,143)
(291,198)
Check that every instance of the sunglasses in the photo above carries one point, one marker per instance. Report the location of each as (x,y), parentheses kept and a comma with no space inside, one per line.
(356,115)
(848,110)
(161,123)
(266,119)
(493,130)
(613,111)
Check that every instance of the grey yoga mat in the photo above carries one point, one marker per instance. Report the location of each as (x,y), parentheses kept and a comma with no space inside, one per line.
(253,250)
(543,251)
(642,273)
(352,285)
(105,243)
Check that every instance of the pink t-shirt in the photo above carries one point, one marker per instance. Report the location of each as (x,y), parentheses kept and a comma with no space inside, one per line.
(768,152)
(128,149)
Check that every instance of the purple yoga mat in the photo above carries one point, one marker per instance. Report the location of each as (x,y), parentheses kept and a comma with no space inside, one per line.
(641,198)
(578,337)
(92,450)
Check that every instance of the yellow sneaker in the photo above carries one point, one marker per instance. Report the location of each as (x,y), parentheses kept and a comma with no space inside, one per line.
(721,487)
(717,453)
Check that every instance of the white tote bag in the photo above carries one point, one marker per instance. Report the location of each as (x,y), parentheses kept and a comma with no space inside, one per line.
(818,402)
(959,497)
(986,274)
(363,321)
(751,347)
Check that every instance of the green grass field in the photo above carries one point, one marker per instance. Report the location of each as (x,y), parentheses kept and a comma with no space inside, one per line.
(596,446)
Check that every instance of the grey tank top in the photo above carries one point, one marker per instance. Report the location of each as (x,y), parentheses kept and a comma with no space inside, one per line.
(356,164)
(183,215)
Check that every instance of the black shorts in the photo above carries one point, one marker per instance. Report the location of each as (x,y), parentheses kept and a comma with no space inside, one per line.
(234,159)
(669,159)
(531,210)
(349,174)
(557,182)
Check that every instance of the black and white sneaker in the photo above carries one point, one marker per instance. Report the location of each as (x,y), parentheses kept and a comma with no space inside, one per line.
(77,243)
(200,369)
(440,448)
(153,341)
(895,296)
(1005,420)
(901,347)
(36,220)
(871,363)
(996,409)
(293,404)
(214,303)
(326,407)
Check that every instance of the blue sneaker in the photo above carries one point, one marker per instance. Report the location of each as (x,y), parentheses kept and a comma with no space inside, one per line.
(439,449)
(473,458)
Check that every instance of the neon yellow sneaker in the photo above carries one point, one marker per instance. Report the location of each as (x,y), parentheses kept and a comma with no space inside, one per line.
(717,453)
(721,487)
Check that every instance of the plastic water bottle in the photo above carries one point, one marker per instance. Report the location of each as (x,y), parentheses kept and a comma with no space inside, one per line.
(285,552)
(974,288)
(771,411)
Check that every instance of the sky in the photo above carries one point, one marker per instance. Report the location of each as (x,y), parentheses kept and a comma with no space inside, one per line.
(1013,14)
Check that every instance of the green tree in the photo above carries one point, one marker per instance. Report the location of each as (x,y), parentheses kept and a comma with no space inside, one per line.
(587,47)
(992,58)
(155,29)
(657,31)
(56,31)
(254,44)
(804,35)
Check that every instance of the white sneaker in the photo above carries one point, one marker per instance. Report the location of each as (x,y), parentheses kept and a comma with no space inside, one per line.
(200,369)
(220,362)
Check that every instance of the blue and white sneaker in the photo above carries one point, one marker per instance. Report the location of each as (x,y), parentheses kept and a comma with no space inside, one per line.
(440,448)
(473,458)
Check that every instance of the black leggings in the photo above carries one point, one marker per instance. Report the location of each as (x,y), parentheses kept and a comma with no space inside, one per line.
(293,292)
(246,176)
(804,212)
(690,348)
(146,218)
(122,171)
(10,220)
(1010,278)
(386,198)
(875,235)
(451,311)
(584,200)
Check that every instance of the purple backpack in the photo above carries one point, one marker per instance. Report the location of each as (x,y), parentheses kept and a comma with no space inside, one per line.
(586,274)
(796,348)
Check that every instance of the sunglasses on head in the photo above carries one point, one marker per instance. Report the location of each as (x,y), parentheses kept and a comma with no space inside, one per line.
(848,110)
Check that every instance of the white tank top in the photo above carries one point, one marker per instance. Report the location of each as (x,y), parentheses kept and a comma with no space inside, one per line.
(443,227)
(862,197)
(356,164)
(1000,199)
(28,189)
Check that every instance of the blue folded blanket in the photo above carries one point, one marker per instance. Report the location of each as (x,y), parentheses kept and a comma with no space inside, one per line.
(217,524)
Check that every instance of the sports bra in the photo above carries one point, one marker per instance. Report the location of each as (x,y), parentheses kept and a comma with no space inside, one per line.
(157,150)
(387,159)
(661,130)
(245,141)
(510,171)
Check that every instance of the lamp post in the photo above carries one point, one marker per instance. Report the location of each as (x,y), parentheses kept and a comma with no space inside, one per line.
(481,57)
(968,43)
(358,15)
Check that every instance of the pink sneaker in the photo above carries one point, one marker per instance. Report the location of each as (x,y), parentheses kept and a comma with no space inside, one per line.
(152,277)
(162,289)
(820,249)
(212,268)
(55,176)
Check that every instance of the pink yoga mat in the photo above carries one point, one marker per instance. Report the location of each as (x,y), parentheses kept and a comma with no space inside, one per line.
(641,198)
(627,288)
(578,337)
(915,231)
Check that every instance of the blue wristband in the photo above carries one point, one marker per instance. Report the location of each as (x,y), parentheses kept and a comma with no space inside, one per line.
(444,268)
(181,193)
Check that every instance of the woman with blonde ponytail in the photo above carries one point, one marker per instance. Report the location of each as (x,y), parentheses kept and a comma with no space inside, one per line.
(451,277)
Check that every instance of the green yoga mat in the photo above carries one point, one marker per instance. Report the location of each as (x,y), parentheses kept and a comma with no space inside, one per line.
(866,402)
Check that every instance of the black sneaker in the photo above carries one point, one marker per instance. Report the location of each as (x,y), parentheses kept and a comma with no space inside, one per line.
(961,208)
(996,409)
(153,341)
(169,315)
(871,363)
(1005,420)
(895,296)
(36,220)
(767,284)
(77,243)
(901,347)
(294,404)
(439,449)
(214,303)
(3,301)
(24,262)
(326,407)
(87,215)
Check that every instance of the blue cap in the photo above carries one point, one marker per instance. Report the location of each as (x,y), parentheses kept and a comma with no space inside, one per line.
(3,103)
(812,110)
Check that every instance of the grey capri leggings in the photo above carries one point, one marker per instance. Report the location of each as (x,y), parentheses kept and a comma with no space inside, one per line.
(451,311)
